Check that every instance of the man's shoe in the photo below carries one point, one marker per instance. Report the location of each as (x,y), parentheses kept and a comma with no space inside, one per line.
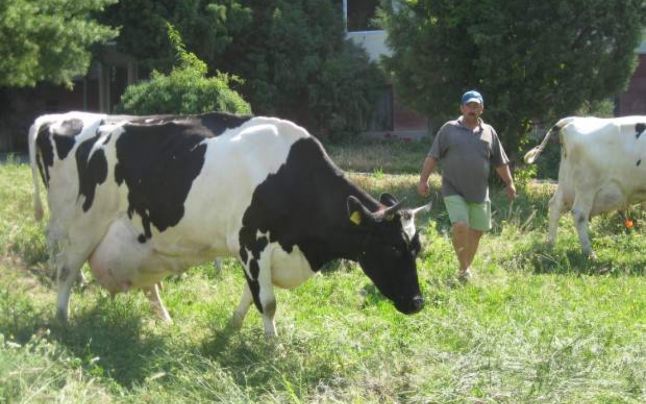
(465,276)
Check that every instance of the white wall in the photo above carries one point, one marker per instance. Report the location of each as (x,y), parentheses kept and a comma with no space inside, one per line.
(374,42)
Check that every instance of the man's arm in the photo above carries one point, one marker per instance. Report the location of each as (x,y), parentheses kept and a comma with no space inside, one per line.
(505,174)
(427,169)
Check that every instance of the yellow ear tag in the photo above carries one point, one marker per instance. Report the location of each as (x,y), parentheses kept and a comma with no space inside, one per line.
(355,217)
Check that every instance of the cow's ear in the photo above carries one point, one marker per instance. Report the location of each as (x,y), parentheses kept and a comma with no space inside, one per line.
(387,199)
(357,213)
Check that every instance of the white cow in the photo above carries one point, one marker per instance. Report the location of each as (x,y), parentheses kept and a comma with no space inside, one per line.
(140,198)
(603,168)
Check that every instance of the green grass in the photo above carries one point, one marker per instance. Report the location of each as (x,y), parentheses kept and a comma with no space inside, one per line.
(535,325)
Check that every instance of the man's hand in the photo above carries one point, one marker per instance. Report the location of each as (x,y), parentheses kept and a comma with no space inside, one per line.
(511,191)
(422,188)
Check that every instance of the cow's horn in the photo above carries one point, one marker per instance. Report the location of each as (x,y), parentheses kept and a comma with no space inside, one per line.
(423,208)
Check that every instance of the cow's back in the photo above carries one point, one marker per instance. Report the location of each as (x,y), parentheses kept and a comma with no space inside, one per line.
(196,188)
(603,157)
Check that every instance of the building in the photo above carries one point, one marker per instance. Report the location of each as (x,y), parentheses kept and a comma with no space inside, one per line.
(100,90)
(633,100)
(391,117)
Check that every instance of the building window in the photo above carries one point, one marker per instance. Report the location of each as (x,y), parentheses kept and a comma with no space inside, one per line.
(361,15)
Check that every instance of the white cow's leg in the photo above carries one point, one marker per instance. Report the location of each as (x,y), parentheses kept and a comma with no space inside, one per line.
(156,304)
(259,286)
(67,272)
(267,297)
(243,307)
(581,213)
(69,254)
(555,210)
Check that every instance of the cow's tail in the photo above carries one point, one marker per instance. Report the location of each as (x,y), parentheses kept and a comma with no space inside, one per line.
(33,134)
(532,155)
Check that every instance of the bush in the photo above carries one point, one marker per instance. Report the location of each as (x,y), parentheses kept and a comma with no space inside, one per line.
(186,90)
(344,97)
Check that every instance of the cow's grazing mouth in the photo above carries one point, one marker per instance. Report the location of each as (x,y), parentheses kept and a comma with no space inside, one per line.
(412,306)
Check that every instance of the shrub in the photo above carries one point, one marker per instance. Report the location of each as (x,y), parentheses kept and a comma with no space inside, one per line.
(343,99)
(186,90)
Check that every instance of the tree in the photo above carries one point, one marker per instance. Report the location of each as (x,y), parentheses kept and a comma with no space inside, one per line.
(186,90)
(534,61)
(207,26)
(48,40)
(291,54)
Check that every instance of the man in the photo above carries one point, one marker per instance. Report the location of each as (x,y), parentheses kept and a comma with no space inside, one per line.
(465,148)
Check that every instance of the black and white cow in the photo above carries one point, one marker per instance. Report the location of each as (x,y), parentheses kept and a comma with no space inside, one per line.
(144,197)
(601,169)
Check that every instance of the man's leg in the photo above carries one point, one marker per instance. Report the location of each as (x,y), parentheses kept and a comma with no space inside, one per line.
(472,244)
(461,244)
(465,243)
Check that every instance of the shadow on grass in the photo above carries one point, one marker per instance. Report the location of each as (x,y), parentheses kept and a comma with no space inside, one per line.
(20,320)
(254,361)
(542,259)
(111,342)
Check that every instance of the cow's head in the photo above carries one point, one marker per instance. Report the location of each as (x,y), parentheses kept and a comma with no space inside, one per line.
(388,250)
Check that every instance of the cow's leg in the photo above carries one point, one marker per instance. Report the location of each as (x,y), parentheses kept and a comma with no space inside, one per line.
(70,253)
(581,213)
(258,274)
(67,272)
(555,210)
(267,297)
(156,304)
(243,307)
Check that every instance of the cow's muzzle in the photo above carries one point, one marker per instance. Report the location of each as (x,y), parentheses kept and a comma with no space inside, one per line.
(411,306)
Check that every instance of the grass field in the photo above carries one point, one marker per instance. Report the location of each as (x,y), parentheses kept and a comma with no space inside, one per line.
(534,325)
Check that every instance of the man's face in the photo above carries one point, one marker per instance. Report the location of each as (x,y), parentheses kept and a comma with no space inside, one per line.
(472,110)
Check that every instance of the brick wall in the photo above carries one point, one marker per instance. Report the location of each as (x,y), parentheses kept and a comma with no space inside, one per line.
(633,100)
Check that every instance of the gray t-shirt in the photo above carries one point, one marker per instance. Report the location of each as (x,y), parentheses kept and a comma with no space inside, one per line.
(465,157)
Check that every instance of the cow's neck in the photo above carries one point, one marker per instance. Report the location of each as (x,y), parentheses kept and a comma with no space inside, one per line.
(339,237)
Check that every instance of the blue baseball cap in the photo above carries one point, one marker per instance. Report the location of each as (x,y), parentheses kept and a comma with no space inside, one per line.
(472,96)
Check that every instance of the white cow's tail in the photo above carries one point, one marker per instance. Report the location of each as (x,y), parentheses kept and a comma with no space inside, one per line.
(532,155)
(33,134)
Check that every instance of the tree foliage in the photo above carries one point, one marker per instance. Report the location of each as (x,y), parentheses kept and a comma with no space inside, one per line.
(186,90)
(207,26)
(291,53)
(48,40)
(534,61)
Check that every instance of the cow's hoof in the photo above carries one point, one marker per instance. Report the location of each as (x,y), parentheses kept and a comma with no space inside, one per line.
(166,320)
(61,318)
(236,322)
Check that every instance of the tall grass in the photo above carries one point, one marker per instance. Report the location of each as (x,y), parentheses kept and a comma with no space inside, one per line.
(535,325)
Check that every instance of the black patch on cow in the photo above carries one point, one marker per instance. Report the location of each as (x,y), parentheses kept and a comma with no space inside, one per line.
(639,162)
(141,238)
(217,122)
(42,172)
(639,128)
(63,145)
(92,170)
(158,164)
(257,246)
(283,206)
(64,136)
(303,204)
(207,125)
(46,151)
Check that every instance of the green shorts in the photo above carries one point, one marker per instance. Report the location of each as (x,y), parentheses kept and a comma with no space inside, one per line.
(476,215)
